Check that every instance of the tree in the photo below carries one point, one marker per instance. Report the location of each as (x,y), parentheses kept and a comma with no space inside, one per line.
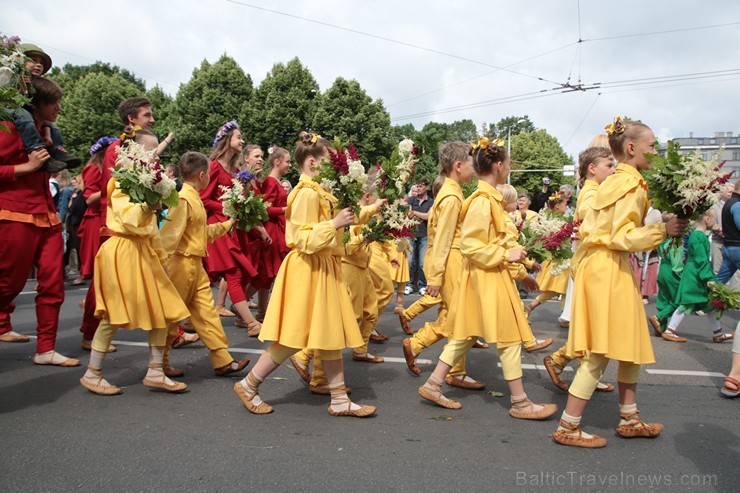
(284,104)
(432,135)
(517,124)
(215,94)
(68,75)
(90,109)
(346,111)
(538,150)
(162,110)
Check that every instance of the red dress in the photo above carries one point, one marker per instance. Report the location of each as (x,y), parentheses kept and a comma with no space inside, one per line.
(89,230)
(225,253)
(273,255)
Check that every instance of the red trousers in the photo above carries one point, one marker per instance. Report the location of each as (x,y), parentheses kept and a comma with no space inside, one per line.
(24,245)
(89,322)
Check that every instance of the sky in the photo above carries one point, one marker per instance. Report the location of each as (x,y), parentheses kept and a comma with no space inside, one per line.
(434,60)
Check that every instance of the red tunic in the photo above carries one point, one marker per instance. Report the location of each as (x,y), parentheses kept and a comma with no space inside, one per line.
(89,230)
(273,255)
(109,160)
(225,253)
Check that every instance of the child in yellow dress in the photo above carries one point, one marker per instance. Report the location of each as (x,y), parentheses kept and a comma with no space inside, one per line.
(608,316)
(400,270)
(383,254)
(184,238)
(487,303)
(310,305)
(132,289)
(443,262)
(595,165)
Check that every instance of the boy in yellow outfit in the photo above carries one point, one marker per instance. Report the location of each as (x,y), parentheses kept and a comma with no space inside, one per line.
(184,238)
(608,316)
(595,165)
(382,254)
(443,262)
(132,289)
(487,303)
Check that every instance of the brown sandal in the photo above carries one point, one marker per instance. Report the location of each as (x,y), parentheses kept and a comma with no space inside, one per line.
(241,393)
(96,386)
(363,412)
(572,436)
(410,357)
(544,413)
(727,391)
(302,370)
(552,370)
(638,429)
(438,398)
(161,383)
(230,368)
(367,357)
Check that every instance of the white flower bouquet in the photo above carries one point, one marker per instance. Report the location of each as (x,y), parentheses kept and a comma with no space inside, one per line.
(394,173)
(242,205)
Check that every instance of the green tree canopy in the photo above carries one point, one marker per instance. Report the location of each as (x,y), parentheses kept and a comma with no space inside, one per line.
(538,150)
(432,135)
(215,94)
(90,109)
(346,111)
(68,75)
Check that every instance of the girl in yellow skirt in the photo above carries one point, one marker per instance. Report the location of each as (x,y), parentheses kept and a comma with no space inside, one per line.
(443,262)
(400,270)
(487,303)
(382,255)
(551,285)
(310,305)
(132,289)
(608,316)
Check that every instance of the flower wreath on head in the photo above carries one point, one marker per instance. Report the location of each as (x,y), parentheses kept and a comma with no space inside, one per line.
(101,144)
(226,128)
(130,134)
(615,127)
(271,150)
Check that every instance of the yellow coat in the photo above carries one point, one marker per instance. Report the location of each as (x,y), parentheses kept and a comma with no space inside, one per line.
(548,282)
(608,316)
(487,303)
(186,232)
(132,290)
(442,237)
(586,201)
(310,305)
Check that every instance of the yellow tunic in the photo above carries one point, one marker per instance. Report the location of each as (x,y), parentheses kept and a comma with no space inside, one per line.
(132,289)
(401,274)
(442,238)
(310,305)
(586,201)
(487,303)
(382,279)
(608,315)
(548,282)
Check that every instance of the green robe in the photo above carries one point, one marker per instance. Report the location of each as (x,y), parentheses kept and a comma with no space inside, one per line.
(693,290)
(669,276)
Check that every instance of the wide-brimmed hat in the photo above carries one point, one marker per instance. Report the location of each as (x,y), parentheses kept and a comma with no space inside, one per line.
(32,50)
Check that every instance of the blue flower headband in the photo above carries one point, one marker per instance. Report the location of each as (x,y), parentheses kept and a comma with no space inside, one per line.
(227,127)
(101,144)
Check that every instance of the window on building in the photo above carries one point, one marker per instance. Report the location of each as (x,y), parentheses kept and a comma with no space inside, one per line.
(712,141)
(735,155)
(704,156)
(700,141)
(733,141)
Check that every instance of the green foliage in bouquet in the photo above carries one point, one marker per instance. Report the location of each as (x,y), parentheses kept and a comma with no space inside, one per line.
(722,298)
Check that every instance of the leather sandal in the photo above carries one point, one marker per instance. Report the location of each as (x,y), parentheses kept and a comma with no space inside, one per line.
(378,338)
(241,393)
(13,336)
(96,386)
(231,368)
(657,329)
(180,341)
(302,370)
(572,436)
(86,344)
(462,383)
(722,338)
(544,413)
(405,324)
(254,328)
(172,372)
(728,392)
(438,398)
(224,312)
(160,383)
(367,357)
(363,412)
(639,428)
(552,370)
(480,344)
(538,345)
(564,324)
(398,309)
(56,360)
(410,358)
(324,389)
(672,337)
(607,387)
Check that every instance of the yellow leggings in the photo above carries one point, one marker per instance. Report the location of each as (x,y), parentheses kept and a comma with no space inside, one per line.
(105,333)
(420,306)
(280,353)
(510,356)
(592,369)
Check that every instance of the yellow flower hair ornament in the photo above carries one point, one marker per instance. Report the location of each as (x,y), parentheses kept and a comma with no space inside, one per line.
(555,197)
(615,127)
(482,143)
(129,132)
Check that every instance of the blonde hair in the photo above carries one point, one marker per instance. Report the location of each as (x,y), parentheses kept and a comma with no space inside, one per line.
(508,192)
(600,140)
(588,156)
(450,153)
(630,131)
(437,184)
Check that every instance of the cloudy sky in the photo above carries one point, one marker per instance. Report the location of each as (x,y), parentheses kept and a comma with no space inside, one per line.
(434,60)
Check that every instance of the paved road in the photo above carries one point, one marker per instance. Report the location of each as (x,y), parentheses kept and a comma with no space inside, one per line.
(56,436)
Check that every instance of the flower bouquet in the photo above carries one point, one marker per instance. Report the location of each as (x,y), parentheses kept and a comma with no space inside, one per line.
(14,92)
(343,175)
(722,298)
(392,223)
(241,204)
(396,171)
(685,185)
(141,177)
(549,238)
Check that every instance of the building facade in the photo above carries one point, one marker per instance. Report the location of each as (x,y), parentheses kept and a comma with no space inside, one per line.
(708,146)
